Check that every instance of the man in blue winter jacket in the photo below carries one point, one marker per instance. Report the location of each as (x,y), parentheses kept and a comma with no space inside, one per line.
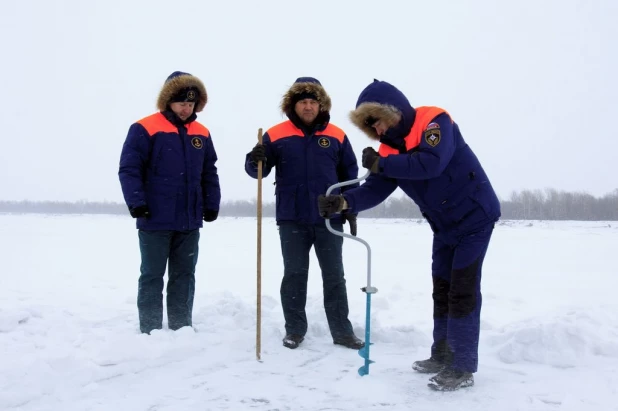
(170,184)
(309,154)
(423,152)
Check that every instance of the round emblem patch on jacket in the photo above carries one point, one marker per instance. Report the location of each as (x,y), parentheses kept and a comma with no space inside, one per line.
(324,142)
(197,142)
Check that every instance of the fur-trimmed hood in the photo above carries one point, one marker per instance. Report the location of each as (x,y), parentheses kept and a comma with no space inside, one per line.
(176,82)
(305,85)
(381,100)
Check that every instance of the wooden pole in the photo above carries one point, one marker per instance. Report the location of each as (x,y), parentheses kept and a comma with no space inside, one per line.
(258,335)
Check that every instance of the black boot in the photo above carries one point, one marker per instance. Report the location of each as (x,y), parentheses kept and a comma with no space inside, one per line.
(292,340)
(349,341)
(429,366)
(450,380)
(441,357)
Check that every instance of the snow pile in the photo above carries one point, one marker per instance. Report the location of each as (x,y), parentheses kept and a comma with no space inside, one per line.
(562,341)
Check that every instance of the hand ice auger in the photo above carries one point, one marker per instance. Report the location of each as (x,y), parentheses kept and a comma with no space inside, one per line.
(369,289)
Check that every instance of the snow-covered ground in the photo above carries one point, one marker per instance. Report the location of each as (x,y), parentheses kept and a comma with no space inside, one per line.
(69,336)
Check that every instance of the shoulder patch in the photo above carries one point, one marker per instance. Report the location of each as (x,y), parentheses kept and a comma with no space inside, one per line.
(432,125)
(433,136)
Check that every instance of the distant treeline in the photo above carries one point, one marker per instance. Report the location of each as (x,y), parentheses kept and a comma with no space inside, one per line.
(525,205)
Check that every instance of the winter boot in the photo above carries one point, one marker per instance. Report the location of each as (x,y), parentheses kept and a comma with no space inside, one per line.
(429,366)
(349,341)
(450,380)
(292,340)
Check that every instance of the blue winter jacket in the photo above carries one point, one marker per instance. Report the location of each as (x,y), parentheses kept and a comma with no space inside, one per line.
(435,167)
(306,164)
(170,167)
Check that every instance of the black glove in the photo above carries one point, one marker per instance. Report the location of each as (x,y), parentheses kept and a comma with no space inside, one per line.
(351,218)
(258,153)
(140,211)
(210,215)
(371,159)
(329,205)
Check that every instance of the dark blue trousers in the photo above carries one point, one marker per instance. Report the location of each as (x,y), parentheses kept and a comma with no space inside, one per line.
(456,269)
(178,250)
(296,242)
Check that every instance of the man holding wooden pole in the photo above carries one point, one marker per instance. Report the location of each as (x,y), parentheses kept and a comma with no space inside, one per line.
(310,154)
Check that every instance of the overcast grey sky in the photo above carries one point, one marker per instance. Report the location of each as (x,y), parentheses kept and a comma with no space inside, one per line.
(530,82)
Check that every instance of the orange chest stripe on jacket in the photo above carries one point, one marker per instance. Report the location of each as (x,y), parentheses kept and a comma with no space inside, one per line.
(285,129)
(198,129)
(157,123)
(332,130)
(288,129)
(424,115)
